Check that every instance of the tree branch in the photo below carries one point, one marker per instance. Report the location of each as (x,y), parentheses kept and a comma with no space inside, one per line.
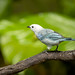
(42,57)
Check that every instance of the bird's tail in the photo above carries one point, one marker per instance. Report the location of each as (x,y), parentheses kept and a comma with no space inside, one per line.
(69,39)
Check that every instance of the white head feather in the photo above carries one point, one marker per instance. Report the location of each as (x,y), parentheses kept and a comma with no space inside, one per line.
(35,27)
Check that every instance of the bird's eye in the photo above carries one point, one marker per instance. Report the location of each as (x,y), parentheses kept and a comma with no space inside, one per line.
(32,26)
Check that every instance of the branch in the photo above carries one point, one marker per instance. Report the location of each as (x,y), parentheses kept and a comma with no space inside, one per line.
(42,57)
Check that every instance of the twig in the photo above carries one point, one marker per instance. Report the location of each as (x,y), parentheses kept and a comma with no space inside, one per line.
(42,57)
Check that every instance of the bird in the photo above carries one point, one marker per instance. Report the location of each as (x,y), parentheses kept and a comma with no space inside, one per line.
(48,36)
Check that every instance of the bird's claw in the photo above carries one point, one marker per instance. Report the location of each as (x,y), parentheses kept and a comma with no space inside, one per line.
(56,50)
(45,51)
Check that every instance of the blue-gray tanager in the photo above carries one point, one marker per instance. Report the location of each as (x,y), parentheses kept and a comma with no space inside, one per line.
(48,36)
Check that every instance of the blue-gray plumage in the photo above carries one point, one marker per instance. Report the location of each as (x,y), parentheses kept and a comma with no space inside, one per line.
(48,36)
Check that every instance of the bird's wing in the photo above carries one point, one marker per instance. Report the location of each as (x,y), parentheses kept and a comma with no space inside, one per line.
(43,33)
(50,34)
(46,31)
(54,36)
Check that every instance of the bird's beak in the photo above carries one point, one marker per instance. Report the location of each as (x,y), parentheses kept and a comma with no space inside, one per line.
(28,26)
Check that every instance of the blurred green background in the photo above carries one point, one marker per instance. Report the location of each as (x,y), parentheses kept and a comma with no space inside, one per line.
(17,42)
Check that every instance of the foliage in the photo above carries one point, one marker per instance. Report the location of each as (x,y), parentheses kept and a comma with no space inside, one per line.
(19,42)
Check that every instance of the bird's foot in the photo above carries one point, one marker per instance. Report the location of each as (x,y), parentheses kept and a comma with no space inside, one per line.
(56,50)
(45,51)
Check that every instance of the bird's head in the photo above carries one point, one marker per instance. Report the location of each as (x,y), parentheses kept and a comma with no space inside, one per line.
(35,27)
